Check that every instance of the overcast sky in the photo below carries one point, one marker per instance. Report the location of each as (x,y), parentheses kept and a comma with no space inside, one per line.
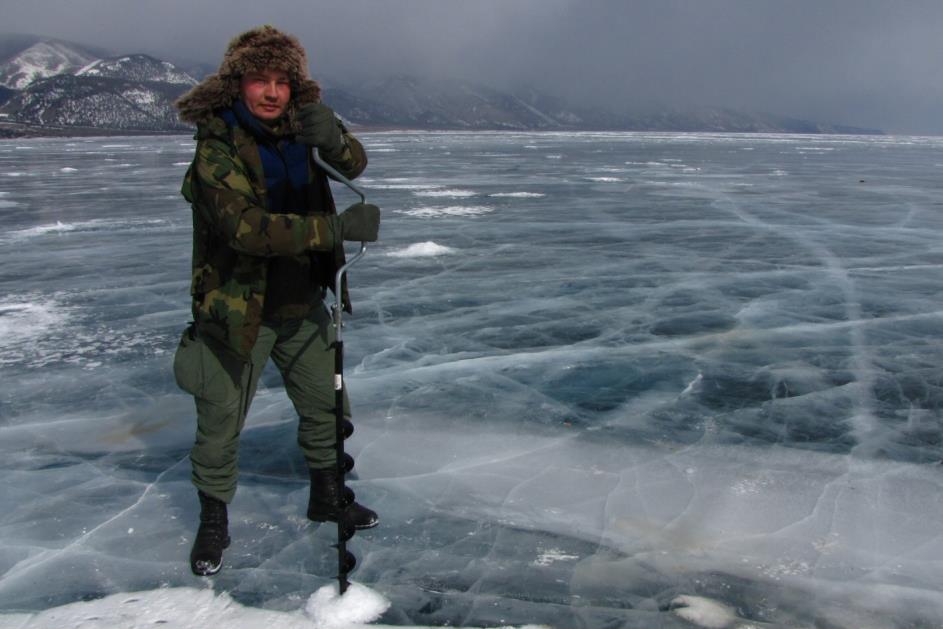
(872,63)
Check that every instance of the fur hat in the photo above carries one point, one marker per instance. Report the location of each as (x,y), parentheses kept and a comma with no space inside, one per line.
(262,48)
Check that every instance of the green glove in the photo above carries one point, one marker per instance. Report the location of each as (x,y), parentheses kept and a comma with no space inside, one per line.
(360,222)
(320,128)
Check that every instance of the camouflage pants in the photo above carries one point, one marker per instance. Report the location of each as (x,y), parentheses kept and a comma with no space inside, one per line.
(223,388)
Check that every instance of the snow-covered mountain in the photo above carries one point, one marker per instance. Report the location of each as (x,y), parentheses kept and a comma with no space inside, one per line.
(42,60)
(97,102)
(61,85)
(137,68)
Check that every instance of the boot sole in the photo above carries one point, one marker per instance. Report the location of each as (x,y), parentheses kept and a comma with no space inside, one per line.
(203,568)
(200,568)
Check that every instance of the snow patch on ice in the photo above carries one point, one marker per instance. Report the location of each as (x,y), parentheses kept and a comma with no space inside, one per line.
(41,230)
(426,249)
(25,320)
(518,195)
(401,186)
(452,210)
(704,612)
(182,608)
(397,183)
(194,608)
(445,193)
(91,225)
(694,384)
(750,486)
(553,555)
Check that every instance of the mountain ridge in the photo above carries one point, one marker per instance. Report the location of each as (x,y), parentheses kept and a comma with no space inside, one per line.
(50,86)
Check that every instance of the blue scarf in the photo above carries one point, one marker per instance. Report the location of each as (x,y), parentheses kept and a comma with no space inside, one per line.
(284,161)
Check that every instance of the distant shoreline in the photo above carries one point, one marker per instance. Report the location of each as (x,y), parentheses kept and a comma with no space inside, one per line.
(16,130)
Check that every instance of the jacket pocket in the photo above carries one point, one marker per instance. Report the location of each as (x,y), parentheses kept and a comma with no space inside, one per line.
(199,372)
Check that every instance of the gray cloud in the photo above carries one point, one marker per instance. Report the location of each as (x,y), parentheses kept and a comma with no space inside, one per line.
(863,62)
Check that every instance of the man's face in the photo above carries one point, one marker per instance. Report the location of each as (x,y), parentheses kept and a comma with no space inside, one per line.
(266,93)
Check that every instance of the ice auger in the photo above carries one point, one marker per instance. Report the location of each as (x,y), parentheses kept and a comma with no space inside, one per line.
(343,427)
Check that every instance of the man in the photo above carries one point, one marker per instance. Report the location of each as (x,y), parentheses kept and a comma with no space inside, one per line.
(267,242)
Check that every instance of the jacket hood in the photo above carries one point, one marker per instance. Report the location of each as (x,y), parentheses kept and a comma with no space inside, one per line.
(262,48)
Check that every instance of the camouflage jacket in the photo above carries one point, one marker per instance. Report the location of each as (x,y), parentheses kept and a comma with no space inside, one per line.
(235,236)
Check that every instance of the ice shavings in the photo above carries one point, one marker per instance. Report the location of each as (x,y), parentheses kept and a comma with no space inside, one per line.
(426,249)
(359,605)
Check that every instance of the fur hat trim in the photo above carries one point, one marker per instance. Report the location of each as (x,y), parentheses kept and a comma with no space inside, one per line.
(258,49)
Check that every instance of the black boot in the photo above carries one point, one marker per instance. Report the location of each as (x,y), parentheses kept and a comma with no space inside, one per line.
(324,500)
(206,557)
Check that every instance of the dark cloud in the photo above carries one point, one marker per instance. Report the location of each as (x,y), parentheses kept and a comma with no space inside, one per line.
(862,62)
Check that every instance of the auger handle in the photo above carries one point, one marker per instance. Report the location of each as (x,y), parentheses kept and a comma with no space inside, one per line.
(339,278)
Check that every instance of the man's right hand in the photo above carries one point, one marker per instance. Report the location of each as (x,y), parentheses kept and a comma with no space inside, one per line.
(360,222)
(320,128)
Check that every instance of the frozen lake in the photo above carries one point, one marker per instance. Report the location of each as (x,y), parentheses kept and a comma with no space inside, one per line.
(590,373)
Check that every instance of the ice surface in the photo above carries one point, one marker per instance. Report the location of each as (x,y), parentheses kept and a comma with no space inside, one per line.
(704,387)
